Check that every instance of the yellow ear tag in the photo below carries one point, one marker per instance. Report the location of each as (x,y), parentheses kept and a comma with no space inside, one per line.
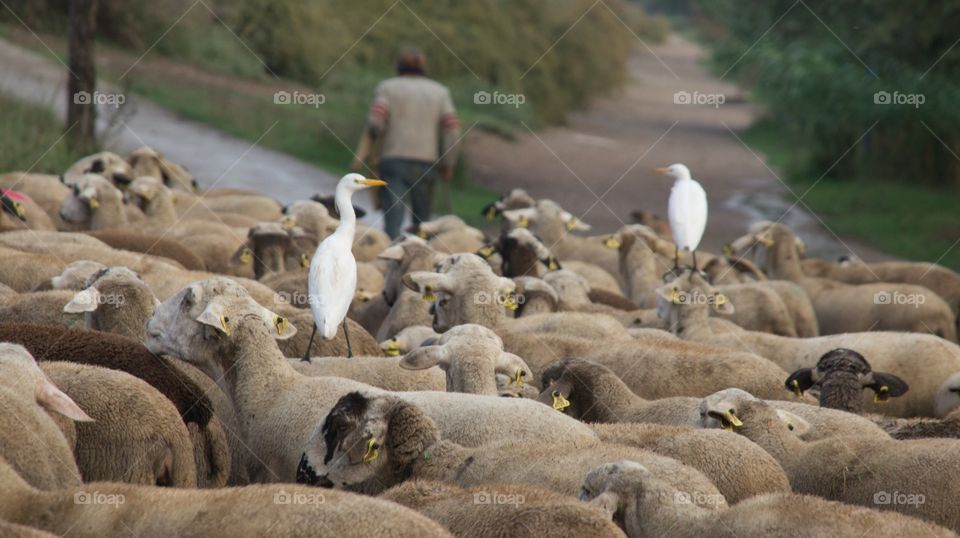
(246,256)
(734,420)
(428,295)
(880,396)
(18,210)
(766,240)
(523,222)
(373,451)
(796,388)
(571,224)
(559,402)
(675,295)
(362,295)
(223,324)
(421,233)
(393,349)
(486,251)
(720,299)
(94,203)
(491,213)
(518,380)
(510,302)
(612,242)
(280,323)
(304,261)
(288,223)
(728,250)
(552,264)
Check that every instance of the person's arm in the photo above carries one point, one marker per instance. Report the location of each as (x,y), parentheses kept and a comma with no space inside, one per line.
(377,117)
(450,133)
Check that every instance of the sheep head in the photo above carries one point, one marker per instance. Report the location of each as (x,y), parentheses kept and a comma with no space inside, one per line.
(577,386)
(109,165)
(367,443)
(90,194)
(691,296)
(402,258)
(520,252)
(725,409)
(76,274)
(20,373)
(201,324)
(842,374)
(115,299)
(467,291)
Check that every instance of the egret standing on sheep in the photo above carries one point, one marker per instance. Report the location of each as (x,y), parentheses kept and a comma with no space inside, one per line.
(686,210)
(332,281)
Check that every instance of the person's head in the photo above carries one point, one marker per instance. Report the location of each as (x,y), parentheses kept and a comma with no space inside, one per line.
(411,61)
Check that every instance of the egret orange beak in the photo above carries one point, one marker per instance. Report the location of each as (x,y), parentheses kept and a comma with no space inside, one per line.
(660,170)
(373,182)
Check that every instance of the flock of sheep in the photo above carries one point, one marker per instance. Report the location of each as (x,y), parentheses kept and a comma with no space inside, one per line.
(524,380)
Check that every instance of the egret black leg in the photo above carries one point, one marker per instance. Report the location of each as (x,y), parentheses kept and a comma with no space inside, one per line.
(306,355)
(346,334)
(676,258)
(694,261)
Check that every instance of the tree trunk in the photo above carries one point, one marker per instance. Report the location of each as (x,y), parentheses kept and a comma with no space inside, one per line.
(82,80)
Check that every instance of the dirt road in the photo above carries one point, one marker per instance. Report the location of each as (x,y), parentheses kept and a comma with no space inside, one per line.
(600,165)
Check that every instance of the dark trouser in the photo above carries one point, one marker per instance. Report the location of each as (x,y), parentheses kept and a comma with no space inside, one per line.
(405,176)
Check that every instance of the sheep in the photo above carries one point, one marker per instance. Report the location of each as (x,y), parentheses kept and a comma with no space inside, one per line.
(111,509)
(844,308)
(739,468)
(46,190)
(24,271)
(154,199)
(945,282)
(513,510)
(154,244)
(472,356)
(538,296)
(302,319)
(897,353)
(107,164)
(94,204)
(115,300)
(856,470)
(74,275)
(512,199)
(40,453)
(522,253)
(643,504)
(396,440)
(381,372)
(137,436)
(449,234)
(267,244)
(407,340)
(146,161)
(18,212)
(406,307)
(216,326)
(312,216)
(45,307)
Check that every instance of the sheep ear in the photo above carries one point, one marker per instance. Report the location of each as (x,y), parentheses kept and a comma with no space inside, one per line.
(84,301)
(426,357)
(426,282)
(394,252)
(722,305)
(244,254)
(800,381)
(887,386)
(520,217)
(215,316)
(284,329)
(53,399)
(607,502)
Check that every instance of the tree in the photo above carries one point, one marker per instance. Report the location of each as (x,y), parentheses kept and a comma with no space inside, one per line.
(81,80)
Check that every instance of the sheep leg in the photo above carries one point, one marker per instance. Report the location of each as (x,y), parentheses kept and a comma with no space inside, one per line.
(346,334)
(306,354)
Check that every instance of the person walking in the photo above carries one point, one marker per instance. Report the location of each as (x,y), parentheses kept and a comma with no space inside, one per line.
(415,126)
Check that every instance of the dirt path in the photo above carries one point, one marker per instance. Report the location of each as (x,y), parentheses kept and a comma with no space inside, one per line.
(600,165)
(216,159)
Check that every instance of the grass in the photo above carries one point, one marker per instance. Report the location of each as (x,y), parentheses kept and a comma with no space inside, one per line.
(32,139)
(907,220)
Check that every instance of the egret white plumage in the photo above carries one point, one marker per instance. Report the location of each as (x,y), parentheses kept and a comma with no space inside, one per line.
(332,281)
(686,210)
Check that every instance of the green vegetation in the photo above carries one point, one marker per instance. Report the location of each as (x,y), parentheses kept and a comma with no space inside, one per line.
(32,139)
(913,221)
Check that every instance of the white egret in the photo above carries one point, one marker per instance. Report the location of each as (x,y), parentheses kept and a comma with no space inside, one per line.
(332,281)
(686,210)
